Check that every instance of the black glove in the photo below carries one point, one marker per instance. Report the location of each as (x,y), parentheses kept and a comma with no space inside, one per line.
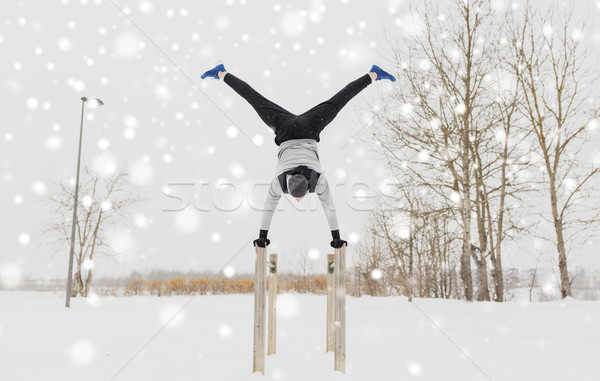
(337,242)
(262,240)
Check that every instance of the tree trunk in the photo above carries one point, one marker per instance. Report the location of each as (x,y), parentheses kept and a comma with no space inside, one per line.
(484,290)
(410,272)
(465,259)
(78,283)
(465,271)
(88,281)
(497,273)
(565,285)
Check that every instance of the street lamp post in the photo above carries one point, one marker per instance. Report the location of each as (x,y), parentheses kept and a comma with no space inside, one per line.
(97,103)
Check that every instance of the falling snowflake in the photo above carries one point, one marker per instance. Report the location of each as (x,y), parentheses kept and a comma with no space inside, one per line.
(455,197)
(32,103)
(103,144)
(81,352)
(54,142)
(24,239)
(292,23)
(236,170)
(141,172)
(313,254)
(106,205)
(376,274)
(577,35)
(570,184)
(141,221)
(87,264)
(411,25)
(127,45)
(87,201)
(258,140)
(423,156)
(79,86)
(232,131)
(340,174)
(163,92)
(225,331)
(288,306)
(222,22)
(187,220)
(129,134)
(64,44)
(145,7)
(93,299)
(406,109)
(354,237)
(171,315)
(415,369)
(11,275)
(106,164)
(39,188)
(229,271)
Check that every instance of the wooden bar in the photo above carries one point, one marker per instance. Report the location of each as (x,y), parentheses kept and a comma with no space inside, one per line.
(271,340)
(260,285)
(330,302)
(340,310)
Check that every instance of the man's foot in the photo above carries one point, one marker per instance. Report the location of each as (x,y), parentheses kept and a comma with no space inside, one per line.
(381,74)
(214,72)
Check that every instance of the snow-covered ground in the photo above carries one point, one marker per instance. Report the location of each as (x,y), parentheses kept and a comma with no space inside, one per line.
(211,339)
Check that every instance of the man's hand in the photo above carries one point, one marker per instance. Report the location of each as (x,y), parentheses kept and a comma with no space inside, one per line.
(262,240)
(337,241)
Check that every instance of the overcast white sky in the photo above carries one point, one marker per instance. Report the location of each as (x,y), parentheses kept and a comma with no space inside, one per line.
(167,122)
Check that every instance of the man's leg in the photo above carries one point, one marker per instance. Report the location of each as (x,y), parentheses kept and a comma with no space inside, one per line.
(272,114)
(322,114)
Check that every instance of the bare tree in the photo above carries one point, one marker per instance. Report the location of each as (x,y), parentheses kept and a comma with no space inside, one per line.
(555,72)
(533,274)
(103,203)
(411,240)
(443,125)
(373,261)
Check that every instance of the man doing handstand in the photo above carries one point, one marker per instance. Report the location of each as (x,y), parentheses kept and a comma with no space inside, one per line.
(298,168)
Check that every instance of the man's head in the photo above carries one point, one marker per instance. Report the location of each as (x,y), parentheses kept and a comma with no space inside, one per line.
(298,186)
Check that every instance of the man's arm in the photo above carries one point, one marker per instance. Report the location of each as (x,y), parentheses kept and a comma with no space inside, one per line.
(273,196)
(324,194)
(322,190)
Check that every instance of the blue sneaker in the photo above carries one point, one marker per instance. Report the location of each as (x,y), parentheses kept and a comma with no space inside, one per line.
(381,74)
(212,73)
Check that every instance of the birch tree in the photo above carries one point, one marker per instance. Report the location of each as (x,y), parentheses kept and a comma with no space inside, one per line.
(442,124)
(558,75)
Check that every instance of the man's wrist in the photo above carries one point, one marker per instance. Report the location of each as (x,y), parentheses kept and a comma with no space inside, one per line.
(335,234)
(263,233)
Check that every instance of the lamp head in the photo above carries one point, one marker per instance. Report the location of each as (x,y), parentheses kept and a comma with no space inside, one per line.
(93,102)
